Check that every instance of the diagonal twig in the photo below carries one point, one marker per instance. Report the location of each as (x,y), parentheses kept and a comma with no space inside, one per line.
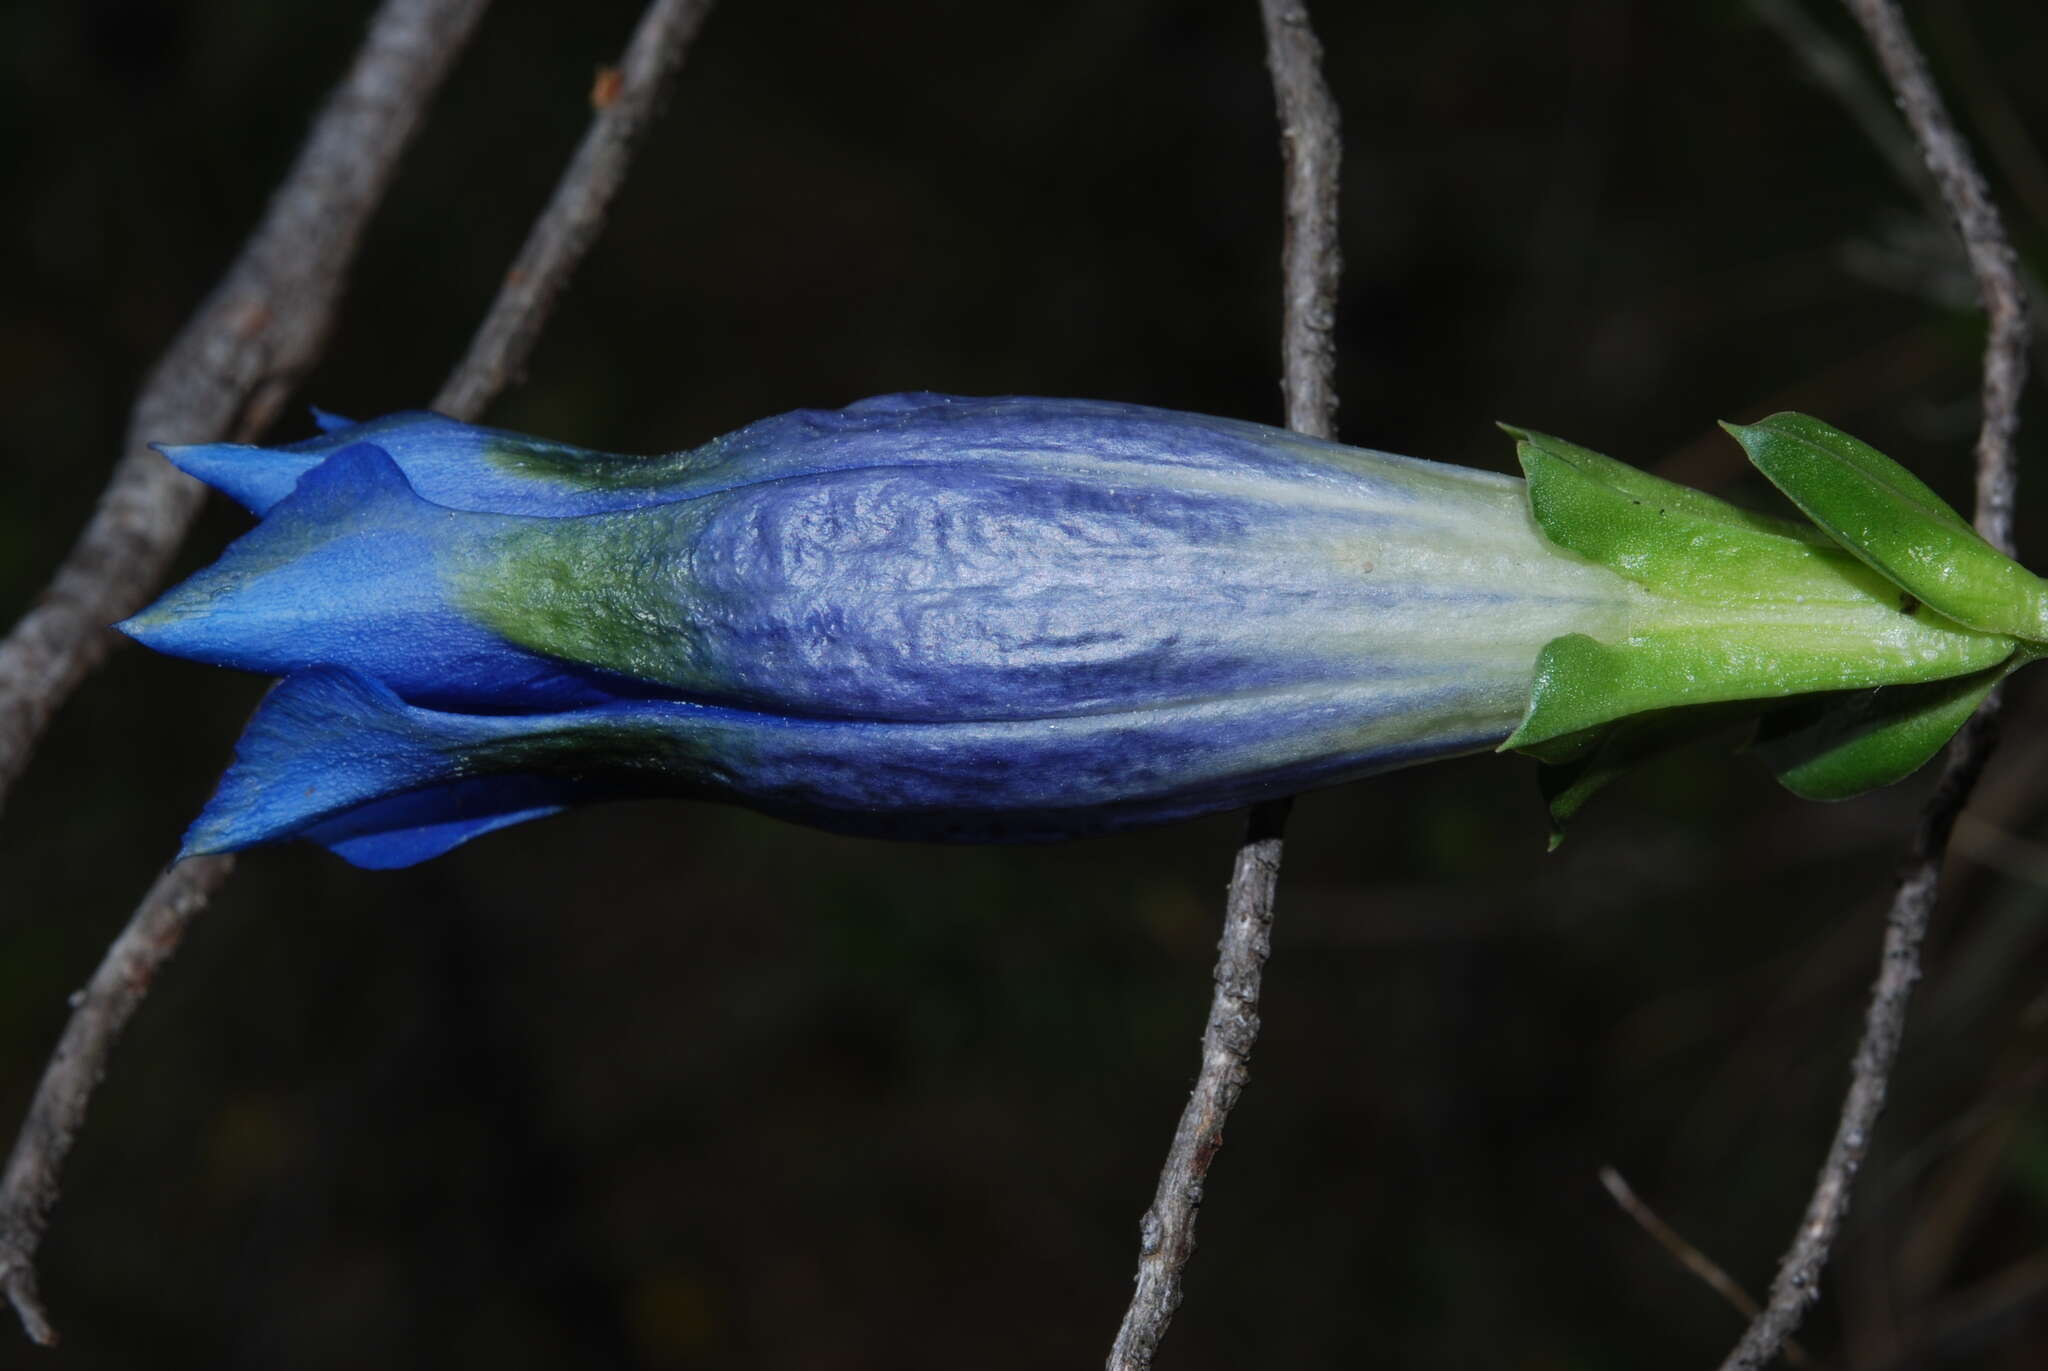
(234,361)
(627,99)
(557,243)
(229,368)
(102,1009)
(1309,137)
(1993,263)
(1710,1272)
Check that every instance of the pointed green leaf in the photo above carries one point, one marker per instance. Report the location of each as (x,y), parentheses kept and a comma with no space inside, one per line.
(1838,747)
(1654,532)
(1581,682)
(1888,517)
(1641,489)
(1681,544)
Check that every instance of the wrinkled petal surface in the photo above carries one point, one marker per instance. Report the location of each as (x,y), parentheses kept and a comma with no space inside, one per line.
(923,617)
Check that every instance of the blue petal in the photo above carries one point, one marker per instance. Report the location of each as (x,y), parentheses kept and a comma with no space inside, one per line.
(343,573)
(970,592)
(408,829)
(464,466)
(335,757)
(1006,586)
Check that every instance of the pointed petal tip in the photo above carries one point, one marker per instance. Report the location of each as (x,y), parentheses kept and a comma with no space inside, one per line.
(246,474)
(176,623)
(154,624)
(200,460)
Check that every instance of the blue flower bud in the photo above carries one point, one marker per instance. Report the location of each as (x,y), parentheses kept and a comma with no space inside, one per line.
(1018,619)
(919,616)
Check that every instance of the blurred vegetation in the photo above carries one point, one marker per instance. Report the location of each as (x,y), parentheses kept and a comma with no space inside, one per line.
(673,1086)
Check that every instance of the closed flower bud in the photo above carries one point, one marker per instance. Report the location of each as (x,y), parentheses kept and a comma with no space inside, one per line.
(927,617)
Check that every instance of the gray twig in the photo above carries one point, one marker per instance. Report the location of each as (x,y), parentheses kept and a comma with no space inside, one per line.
(560,238)
(627,99)
(1992,260)
(1993,263)
(1309,138)
(28,1190)
(262,326)
(1686,1255)
(1309,258)
(235,360)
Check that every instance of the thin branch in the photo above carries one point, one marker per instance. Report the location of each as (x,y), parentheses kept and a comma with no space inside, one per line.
(29,1188)
(263,325)
(1166,1233)
(1993,263)
(558,242)
(234,361)
(1309,258)
(627,99)
(1992,260)
(1686,1255)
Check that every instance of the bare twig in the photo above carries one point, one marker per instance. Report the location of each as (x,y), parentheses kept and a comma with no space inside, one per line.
(1993,263)
(235,360)
(29,1188)
(2011,143)
(1310,261)
(1166,1233)
(558,242)
(1309,137)
(1992,260)
(1688,1256)
(627,99)
(228,369)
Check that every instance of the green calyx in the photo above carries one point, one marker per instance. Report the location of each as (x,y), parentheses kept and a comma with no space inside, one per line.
(1882,513)
(1858,643)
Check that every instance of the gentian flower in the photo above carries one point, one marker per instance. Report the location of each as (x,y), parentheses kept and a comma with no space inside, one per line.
(1000,620)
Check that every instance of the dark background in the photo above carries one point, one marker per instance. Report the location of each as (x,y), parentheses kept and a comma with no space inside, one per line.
(670,1085)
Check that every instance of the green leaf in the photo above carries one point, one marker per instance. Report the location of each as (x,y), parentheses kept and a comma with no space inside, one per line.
(1890,519)
(1581,683)
(1834,748)
(1683,545)
(1660,535)
(1639,488)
